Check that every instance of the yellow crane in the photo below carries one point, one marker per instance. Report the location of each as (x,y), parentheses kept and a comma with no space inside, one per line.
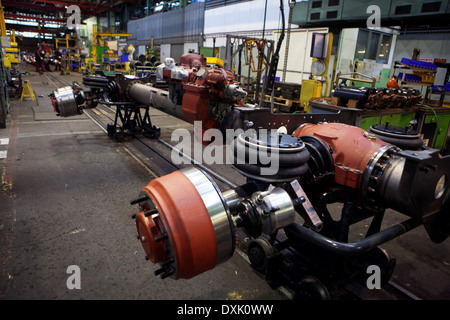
(11,48)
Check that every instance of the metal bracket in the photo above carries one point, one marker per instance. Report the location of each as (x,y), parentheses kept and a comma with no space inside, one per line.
(314,220)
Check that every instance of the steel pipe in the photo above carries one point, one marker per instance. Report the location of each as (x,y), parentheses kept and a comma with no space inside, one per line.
(297,232)
(157,98)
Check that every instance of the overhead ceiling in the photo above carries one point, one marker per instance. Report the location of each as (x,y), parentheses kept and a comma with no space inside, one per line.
(18,12)
(57,8)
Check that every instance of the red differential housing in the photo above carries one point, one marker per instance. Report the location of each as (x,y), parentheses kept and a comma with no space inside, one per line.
(207,92)
(351,148)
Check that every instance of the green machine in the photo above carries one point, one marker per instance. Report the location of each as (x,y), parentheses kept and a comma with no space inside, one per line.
(435,126)
(97,54)
(398,118)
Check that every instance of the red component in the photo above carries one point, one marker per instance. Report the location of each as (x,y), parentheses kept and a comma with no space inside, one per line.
(148,230)
(193,59)
(392,83)
(191,236)
(196,104)
(55,104)
(199,93)
(201,86)
(167,74)
(352,148)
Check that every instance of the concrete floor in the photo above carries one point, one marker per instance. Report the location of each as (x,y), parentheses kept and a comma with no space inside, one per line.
(65,198)
(66,189)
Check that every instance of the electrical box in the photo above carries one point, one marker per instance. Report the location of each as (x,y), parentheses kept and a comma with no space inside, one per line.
(310,89)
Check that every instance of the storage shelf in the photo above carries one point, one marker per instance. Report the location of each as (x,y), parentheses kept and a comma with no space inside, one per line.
(416,83)
(405,66)
(430,72)
(445,93)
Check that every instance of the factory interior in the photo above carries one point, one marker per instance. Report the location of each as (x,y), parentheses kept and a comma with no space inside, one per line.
(235,151)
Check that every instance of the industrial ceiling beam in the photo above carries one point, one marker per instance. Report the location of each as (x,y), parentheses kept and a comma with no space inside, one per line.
(127,1)
(26,17)
(78,3)
(17,5)
(27,5)
(22,28)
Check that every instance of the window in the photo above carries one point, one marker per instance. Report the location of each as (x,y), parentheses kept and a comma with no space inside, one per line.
(431,7)
(315,16)
(383,53)
(316,4)
(361,44)
(406,9)
(373,45)
(332,3)
(332,14)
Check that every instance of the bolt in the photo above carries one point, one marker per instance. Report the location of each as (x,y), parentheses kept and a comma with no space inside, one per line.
(168,273)
(168,262)
(143,239)
(299,200)
(161,237)
(139,200)
(424,169)
(159,271)
(150,212)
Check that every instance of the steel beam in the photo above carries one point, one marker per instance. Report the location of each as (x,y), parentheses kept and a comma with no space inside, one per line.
(127,1)
(78,3)
(26,17)
(45,8)
(31,29)
(28,5)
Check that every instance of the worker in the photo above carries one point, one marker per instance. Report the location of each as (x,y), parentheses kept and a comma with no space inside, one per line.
(57,58)
(63,61)
(40,67)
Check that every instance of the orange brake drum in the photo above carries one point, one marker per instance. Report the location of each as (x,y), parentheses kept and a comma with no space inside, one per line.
(188,223)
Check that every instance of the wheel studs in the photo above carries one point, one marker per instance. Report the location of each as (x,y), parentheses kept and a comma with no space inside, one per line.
(139,200)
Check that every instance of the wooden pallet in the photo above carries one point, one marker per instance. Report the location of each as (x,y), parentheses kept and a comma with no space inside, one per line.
(285,105)
(287,102)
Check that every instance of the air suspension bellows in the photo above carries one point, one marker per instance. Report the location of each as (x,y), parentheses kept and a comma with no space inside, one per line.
(95,81)
(270,156)
(404,138)
(184,224)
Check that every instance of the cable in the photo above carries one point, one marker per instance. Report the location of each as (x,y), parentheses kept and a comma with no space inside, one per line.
(435,115)
(264,24)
